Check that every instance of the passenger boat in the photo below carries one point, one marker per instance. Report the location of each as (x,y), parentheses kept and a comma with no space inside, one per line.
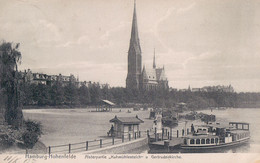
(213,136)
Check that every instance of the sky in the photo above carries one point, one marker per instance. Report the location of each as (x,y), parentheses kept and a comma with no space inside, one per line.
(199,42)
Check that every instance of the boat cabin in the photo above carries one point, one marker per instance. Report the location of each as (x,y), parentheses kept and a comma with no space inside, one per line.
(239,125)
(202,130)
(126,126)
(216,134)
(201,140)
(239,131)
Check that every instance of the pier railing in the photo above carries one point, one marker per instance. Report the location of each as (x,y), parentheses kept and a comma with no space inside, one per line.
(95,144)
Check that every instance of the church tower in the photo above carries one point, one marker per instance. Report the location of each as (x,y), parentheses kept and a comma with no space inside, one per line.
(134,57)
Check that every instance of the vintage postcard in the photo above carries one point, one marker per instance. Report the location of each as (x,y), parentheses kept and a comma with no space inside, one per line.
(129,80)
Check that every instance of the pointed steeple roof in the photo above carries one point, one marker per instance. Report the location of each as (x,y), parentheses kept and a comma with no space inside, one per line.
(144,73)
(154,65)
(134,41)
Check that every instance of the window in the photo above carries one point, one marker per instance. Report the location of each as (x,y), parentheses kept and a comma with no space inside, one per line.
(185,141)
(239,126)
(129,128)
(197,141)
(233,138)
(202,141)
(192,141)
(212,140)
(216,140)
(207,141)
(245,127)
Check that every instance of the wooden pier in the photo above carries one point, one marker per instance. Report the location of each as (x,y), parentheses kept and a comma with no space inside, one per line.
(167,139)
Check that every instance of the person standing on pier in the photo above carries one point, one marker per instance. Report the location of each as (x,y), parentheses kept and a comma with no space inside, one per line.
(192,128)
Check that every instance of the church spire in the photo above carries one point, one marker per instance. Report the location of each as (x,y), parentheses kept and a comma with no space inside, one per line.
(134,33)
(154,65)
(134,56)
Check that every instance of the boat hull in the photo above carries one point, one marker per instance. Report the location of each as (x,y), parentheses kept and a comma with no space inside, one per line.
(222,145)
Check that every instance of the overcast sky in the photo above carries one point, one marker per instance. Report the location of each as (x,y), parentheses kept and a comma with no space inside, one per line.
(200,42)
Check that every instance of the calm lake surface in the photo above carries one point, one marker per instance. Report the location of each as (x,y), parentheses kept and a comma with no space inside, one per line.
(63,126)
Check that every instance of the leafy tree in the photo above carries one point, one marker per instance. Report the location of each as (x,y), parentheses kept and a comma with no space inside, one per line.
(106,93)
(26,93)
(9,58)
(95,93)
(43,94)
(84,95)
(118,95)
(57,93)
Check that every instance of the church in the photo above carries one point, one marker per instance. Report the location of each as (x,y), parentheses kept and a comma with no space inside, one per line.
(138,77)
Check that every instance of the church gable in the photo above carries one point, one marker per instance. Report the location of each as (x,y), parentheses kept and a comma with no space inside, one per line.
(163,76)
(158,73)
(151,74)
(144,74)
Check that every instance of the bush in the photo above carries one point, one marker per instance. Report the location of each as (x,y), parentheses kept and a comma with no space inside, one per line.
(32,133)
(29,139)
(6,141)
(33,126)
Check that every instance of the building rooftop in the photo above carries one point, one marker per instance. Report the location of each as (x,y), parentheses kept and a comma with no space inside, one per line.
(127,120)
(109,102)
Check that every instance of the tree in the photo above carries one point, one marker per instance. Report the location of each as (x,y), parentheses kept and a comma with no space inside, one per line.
(119,95)
(57,93)
(9,58)
(26,93)
(43,96)
(106,93)
(70,93)
(84,95)
(95,93)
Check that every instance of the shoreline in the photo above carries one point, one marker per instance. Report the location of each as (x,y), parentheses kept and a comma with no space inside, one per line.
(117,107)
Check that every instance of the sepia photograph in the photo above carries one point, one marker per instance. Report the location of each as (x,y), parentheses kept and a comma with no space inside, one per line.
(139,80)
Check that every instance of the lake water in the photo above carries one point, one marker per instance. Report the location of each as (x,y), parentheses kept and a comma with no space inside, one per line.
(63,126)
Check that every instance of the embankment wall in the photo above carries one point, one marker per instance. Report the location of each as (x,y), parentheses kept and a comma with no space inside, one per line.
(120,148)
